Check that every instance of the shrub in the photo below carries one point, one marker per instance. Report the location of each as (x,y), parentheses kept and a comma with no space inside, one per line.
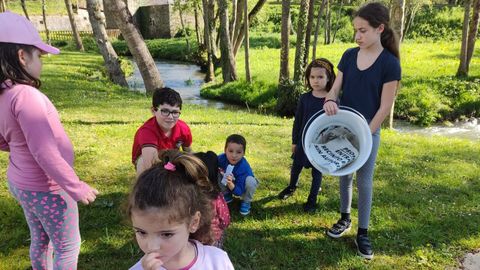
(420,105)
(288,95)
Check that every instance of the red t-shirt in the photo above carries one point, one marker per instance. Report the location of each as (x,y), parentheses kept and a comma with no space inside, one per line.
(150,134)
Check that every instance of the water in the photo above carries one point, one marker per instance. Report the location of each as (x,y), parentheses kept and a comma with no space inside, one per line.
(186,78)
(464,129)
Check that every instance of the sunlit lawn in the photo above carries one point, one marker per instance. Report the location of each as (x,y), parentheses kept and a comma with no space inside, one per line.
(426,189)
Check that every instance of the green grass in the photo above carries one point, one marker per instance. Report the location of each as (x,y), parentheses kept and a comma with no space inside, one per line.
(426,190)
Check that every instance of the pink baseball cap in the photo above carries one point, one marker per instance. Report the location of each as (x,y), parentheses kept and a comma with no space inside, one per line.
(17,29)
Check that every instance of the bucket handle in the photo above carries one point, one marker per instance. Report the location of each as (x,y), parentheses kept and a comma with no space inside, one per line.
(322,111)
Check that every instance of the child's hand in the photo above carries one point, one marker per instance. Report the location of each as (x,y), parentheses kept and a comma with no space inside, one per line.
(293,148)
(330,106)
(151,261)
(90,196)
(230,183)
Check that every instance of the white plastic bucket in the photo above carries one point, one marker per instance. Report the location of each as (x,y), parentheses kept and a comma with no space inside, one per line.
(348,118)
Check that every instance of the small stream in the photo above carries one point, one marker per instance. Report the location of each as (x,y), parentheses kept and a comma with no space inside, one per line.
(187,79)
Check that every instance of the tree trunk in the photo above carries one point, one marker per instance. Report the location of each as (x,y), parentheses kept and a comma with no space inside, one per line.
(328,25)
(411,18)
(285,34)
(299,67)
(180,13)
(462,68)
(229,71)
(235,9)
(337,19)
(73,24)
(47,33)
(308,32)
(208,7)
(3,6)
(112,63)
(241,33)
(197,27)
(247,42)
(24,7)
(472,35)
(398,22)
(317,29)
(124,21)
(398,17)
(238,22)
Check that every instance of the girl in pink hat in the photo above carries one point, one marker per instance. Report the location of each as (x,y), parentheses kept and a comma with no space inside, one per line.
(40,172)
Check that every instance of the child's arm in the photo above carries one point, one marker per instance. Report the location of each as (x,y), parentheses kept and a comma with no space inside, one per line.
(149,157)
(389,92)
(332,107)
(297,126)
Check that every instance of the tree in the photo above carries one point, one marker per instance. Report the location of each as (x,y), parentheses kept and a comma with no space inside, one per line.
(247,42)
(24,7)
(124,21)
(469,34)
(328,23)
(398,17)
(241,33)
(308,32)
(285,34)
(47,33)
(181,7)
(299,66)
(398,20)
(76,34)
(3,6)
(112,63)
(317,28)
(197,27)
(209,26)
(229,70)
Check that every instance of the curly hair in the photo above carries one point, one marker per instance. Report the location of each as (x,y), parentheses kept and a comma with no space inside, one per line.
(183,191)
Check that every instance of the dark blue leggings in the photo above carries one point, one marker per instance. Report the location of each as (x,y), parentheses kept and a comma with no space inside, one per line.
(316,180)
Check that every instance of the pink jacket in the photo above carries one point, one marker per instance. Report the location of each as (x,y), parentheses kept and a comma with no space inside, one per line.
(41,154)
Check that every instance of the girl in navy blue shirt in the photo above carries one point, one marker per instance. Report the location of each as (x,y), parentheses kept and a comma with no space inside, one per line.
(368,78)
(319,77)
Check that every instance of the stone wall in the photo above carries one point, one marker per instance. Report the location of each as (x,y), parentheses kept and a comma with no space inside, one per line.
(154,18)
(62,23)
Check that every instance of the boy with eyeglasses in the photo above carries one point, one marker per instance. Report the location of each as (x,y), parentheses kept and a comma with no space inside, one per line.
(162,131)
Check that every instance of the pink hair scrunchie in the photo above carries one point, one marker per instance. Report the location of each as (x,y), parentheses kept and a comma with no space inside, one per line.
(169,166)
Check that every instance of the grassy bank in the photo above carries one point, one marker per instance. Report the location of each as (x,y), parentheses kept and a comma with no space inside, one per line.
(426,190)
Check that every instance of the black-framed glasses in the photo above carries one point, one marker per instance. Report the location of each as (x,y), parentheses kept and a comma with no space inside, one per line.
(166,113)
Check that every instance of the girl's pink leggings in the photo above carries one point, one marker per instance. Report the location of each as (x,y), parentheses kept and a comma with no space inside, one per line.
(54,233)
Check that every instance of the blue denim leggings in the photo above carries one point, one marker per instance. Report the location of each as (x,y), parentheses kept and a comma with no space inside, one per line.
(52,218)
(364,186)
